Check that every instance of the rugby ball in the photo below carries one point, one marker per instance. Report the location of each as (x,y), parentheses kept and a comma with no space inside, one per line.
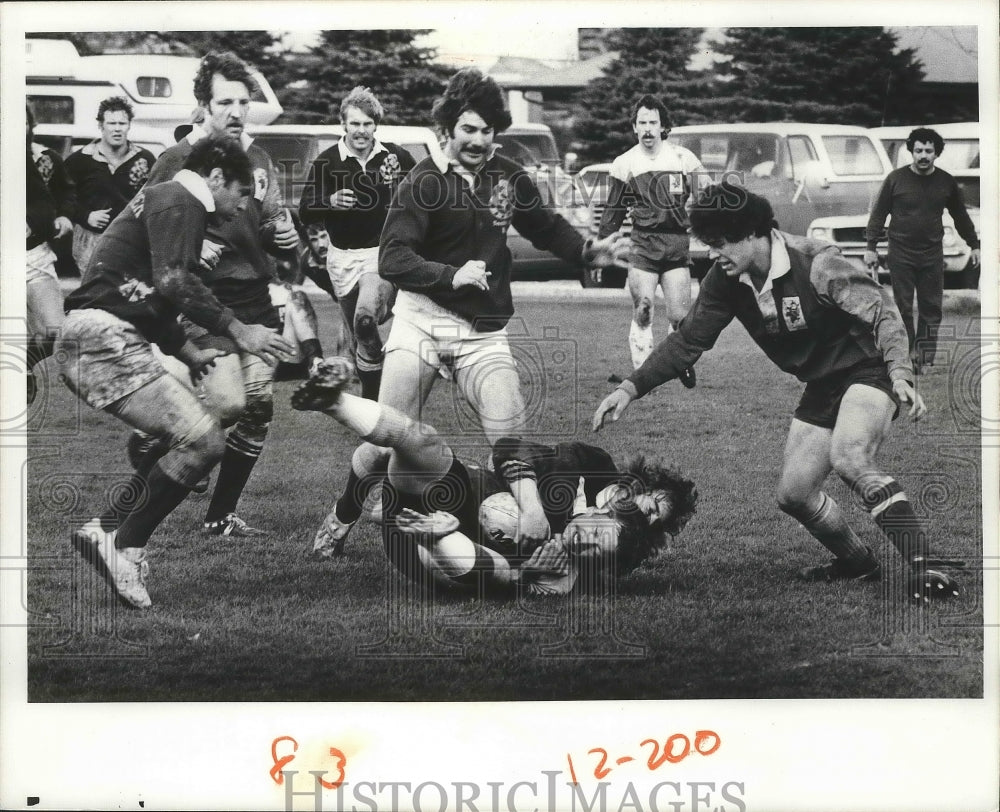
(499,516)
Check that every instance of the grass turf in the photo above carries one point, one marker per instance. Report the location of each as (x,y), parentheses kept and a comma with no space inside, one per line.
(718,615)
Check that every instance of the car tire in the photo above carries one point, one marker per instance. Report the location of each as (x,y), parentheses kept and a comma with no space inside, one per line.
(613,277)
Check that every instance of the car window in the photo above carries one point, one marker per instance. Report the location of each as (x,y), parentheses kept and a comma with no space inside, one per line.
(852,155)
(292,156)
(529,149)
(801,153)
(711,150)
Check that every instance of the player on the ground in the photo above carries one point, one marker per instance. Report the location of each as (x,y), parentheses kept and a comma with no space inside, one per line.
(239,273)
(108,173)
(606,521)
(653,181)
(828,323)
(349,189)
(144,273)
(444,246)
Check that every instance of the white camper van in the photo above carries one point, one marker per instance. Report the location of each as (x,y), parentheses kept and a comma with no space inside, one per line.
(66,88)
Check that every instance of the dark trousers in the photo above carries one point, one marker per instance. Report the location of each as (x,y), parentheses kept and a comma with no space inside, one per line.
(927,279)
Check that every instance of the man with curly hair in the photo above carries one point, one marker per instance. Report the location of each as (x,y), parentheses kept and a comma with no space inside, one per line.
(349,188)
(913,198)
(108,173)
(444,246)
(238,270)
(605,521)
(828,323)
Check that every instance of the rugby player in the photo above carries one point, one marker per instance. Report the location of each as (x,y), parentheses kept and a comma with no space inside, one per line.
(606,521)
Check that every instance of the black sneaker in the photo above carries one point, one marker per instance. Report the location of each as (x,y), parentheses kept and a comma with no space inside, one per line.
(322,390)
(839,570)
(925,584)
(688,378)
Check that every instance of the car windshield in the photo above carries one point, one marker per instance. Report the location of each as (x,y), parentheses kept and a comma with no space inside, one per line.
(853,155)
(529,149)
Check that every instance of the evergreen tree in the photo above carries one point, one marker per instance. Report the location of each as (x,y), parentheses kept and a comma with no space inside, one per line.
(650,60)
(398,72)
(828,75)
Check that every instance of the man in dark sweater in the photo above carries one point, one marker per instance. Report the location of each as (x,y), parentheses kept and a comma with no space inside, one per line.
(444,246)
(349,189)
(818,317)
(240,386)
(50,200)
(108,173)
(916,196)
(144,273)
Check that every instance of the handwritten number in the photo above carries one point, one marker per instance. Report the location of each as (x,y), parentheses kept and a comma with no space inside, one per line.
(279,763)
(668,749)
(655,759)
(341,762)
(699,739)
(599,770)
(572,772)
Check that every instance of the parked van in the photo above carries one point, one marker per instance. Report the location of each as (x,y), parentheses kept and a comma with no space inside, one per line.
(805,170)
(66,88)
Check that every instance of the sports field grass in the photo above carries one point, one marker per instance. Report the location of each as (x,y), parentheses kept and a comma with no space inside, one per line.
(718,615)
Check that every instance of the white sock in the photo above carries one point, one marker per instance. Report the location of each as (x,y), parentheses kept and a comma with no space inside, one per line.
(640,343)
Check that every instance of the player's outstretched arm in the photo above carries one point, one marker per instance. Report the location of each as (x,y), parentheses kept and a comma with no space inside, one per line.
(612,407)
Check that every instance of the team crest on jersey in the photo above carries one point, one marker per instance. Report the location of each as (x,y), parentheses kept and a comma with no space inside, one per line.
(138,173)
(135,290)
(501,206)
(259,183)
(45,167)
(791,311)
(390,170)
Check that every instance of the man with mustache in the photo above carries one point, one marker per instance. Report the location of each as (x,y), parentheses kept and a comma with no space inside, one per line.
(348,190)
(653,181)
(916,196)
(444,246)
(238,271)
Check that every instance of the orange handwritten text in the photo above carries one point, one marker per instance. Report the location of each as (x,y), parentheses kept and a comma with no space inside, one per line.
(674,749)
(280,762)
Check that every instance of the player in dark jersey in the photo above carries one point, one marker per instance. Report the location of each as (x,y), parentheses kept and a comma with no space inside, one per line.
(605,521)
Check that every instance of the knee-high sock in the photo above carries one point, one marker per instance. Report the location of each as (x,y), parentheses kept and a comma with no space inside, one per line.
(243,448)
(640,343)
(830,528)
(163,496)
(893,513)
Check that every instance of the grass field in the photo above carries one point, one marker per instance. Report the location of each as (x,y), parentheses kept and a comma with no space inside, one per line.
(718,615)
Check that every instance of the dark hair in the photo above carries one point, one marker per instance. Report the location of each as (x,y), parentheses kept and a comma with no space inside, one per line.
(362,98)
(227,65)
(223,153)
(114,104)
(728,211)
(469,89)
(925,134)
(652,103)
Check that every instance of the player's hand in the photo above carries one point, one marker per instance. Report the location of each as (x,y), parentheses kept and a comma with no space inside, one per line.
(438,524)
(871,260)
(201,361)
(549,559)
(63,226)
(613,407)
(612,250)
(532,527)
(210,254)
(975,257)
(343,199)
(285,235)
(472,273)
(99,219)
(907,394)
(137,203)
(261,341)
